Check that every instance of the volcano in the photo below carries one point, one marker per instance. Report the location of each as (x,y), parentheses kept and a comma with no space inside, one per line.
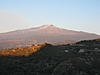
(45,33)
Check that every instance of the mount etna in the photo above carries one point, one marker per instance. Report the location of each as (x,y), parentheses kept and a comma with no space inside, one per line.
(45,33)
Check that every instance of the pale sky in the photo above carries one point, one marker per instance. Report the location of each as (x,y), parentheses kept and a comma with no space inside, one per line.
(81,15)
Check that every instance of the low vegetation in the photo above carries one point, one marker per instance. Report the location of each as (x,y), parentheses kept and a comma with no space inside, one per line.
(25,51)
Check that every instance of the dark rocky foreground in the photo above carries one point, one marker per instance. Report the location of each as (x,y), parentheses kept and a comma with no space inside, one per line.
(77,59)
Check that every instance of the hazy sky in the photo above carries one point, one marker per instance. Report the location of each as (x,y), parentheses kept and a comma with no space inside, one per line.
(82,15)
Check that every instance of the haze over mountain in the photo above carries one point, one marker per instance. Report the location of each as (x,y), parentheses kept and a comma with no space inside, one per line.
(45,33)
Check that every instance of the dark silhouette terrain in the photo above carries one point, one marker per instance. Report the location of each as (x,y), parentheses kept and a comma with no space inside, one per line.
(82,58)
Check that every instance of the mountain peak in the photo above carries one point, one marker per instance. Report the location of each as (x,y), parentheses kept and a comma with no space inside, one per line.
(49,25)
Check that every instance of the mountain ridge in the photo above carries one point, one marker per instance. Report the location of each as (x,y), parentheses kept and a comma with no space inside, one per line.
(45,27)
(46,33)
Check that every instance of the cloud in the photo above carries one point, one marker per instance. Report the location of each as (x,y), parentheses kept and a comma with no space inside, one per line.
(12,21)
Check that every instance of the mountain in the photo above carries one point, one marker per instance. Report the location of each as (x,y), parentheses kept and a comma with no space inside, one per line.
(45,33)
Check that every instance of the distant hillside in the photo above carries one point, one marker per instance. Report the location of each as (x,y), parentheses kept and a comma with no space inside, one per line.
(45,33)
(98,39)
(25,51)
